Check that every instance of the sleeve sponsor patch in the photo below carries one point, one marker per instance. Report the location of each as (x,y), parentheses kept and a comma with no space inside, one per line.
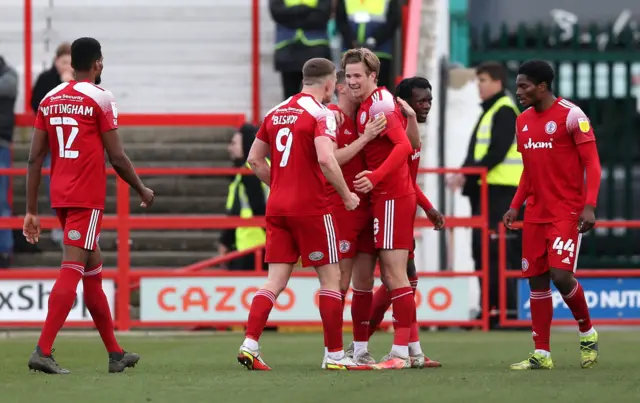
(584,125)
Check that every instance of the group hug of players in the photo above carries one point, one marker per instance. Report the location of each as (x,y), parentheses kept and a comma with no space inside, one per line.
(367,147)
(343,195)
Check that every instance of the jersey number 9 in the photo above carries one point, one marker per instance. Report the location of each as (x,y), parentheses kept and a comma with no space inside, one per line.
(284,140)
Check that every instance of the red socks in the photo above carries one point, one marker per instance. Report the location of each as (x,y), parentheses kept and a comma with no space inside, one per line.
(61,301)
(361,313)
(404,312)
(541,316)
(578,304)
(259,313)
(96,302)
(379,306)
(330,304)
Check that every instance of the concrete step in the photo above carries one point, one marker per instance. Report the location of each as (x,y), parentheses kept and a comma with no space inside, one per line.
(187,186)
(158,135)
(152,152)
(190,241)
(169,259)
(162,205)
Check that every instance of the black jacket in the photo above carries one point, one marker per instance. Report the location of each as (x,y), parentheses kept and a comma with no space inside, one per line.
(384,33)
(291,58)
(502,134)
(8,95)
(46,81)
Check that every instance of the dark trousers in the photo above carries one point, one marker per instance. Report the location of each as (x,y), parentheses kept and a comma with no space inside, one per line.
(499,201)
(385,79)
(291,83)
(245,263)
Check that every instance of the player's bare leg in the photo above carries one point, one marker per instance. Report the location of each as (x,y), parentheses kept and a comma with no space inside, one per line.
(346,267)
(98,306)
(393,264)
(61,299)
(573,296)
(362,278)
(277,279)
(541,317)
(330,304)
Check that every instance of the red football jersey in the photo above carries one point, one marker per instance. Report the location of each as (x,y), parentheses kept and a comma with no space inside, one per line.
(376,152)
(414,165)
(347,134)
(548,144)
(298,186)
(74,115)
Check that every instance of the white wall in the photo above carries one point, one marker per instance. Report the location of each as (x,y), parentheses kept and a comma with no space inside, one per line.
(160,55)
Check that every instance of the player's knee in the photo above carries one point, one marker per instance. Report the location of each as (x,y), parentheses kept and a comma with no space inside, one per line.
(75,254)
(393,279)
(540,283)
(563,280)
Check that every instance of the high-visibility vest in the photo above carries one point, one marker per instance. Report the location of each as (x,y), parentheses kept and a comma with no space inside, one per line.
(246,237)
(286,36)
(365,16)
(508,172)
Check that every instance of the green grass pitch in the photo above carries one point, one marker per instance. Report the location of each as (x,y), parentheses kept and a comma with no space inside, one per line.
(186,369)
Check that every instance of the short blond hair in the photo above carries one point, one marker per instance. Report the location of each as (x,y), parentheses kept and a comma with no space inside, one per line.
(362,55)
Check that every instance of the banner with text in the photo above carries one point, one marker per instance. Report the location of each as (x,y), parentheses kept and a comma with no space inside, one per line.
(27,300)
(228,299)
(607,298)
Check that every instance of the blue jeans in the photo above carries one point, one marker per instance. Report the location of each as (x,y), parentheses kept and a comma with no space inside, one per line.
(6,235)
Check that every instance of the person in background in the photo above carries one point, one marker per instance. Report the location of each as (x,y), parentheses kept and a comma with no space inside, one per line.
(60,72)
(371,24)
(301,34)
(247,198)
(8,95)
(492,146)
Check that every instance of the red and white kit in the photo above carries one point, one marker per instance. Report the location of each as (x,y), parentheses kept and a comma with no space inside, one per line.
(74,115)
(393,196)
(299,220)
(355,227)
(554,154)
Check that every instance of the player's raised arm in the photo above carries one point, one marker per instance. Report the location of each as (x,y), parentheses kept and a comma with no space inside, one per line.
(398,156)
(331,170)
(258,154)
(371,131)
(413,131)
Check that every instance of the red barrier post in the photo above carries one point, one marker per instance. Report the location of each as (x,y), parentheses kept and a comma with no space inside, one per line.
(255,62)
(123,290)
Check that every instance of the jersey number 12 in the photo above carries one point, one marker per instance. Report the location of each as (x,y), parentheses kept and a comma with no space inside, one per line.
(60,123)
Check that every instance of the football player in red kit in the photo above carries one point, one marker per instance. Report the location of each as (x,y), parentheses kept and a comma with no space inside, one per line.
(77,122)
(558,149)
(357,249)
(299,134)
(393,198)
(417,92)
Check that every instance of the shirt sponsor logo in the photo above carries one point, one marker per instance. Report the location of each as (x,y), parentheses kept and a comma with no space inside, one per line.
(537,144)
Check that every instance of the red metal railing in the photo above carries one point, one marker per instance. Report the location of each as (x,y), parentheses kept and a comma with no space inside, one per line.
(505,274)
(124,223)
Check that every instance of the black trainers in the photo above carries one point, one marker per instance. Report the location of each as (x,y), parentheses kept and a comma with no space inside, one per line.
(47,364)
(119,361)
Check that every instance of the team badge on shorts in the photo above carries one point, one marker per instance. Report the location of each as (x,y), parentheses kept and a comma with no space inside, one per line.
(550,127)
(344,246)
(525,265)
(315,256)
(73,235)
